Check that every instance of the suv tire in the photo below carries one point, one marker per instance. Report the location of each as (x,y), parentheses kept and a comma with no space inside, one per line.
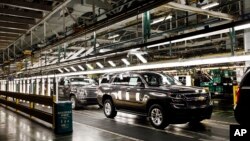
(109,108)
(157,116)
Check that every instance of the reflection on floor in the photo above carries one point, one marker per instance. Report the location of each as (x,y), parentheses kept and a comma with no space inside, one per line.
(90,124)
(15,127)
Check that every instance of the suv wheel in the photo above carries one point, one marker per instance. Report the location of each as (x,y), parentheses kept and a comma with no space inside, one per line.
(109,109)
(73,100)
(157,117)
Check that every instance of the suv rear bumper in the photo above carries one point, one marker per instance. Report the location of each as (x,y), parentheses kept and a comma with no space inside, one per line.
(186,115)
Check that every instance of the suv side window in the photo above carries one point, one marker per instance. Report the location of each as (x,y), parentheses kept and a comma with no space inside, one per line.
(121,80)
(135,81)
(66,82)
(152,80)
(61,82)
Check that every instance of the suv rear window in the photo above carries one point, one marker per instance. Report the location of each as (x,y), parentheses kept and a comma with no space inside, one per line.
(121,80)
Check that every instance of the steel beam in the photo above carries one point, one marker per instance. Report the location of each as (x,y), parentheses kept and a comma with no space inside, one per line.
(17,19)
(14,25)
(7,38)
(8,35)
(13,31)
(5,41)
(4,44)
(199,11)
(26,5)
(19,13)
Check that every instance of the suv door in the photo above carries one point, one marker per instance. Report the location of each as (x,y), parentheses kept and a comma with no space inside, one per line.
(134,94)
(119,87)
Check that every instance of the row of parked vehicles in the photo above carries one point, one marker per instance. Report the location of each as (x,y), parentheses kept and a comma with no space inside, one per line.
(151,94)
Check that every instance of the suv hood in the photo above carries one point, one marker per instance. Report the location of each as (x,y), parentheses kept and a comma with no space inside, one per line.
(177,88)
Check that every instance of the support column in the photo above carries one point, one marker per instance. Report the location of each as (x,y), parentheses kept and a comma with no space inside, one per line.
(56,89)
(28,87)
(37,86)
(48,87)
(94,42)
(14,83)
(233,40)
(32,86)
(42,90)
(24,86)
(146,26)
(21,86)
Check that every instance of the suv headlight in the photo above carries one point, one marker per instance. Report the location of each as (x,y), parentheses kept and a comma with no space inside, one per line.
(203,91)
(82,93)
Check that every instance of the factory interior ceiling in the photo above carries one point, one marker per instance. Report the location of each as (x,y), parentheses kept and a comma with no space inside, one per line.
(60,36)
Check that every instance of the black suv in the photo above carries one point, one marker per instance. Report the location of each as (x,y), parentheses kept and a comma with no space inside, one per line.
(241,109)
(156,95)
(80,91)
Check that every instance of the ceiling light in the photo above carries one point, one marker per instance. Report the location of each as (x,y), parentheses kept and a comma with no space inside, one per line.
(112,63)
(141,58)
(241,27)
(210,5)
(181,63)
(125,61)
(113,36)
(99,64)
(67,69)
(89,66)
(80,67)
(73,69)
(61,71)
(161,19)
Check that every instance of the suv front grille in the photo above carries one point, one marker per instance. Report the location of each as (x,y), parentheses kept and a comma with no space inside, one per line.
(192,100)
(91,94)
(196,100)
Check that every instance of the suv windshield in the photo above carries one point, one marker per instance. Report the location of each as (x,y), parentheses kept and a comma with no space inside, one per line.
(77,80)
(159,79)
(82,81)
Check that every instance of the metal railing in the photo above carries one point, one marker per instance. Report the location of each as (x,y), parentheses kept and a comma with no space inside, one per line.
(28,109)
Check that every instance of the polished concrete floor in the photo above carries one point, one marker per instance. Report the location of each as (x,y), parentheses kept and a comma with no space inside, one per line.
(90,124)
(15,127)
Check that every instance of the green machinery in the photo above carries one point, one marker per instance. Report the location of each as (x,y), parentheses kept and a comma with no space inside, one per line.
(221,82)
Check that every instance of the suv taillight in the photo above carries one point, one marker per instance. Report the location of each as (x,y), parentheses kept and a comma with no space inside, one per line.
(237,95)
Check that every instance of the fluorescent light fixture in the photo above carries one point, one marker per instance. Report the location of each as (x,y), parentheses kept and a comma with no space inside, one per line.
(125,61)
(241,27)
(210,5)
(67,69)
(61,71)
(73,69)
(237,28)
(80,67)
(112,63)
(113,36)
(161,19)
(99,64)
(157,65)
(89,66)
(141,58)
